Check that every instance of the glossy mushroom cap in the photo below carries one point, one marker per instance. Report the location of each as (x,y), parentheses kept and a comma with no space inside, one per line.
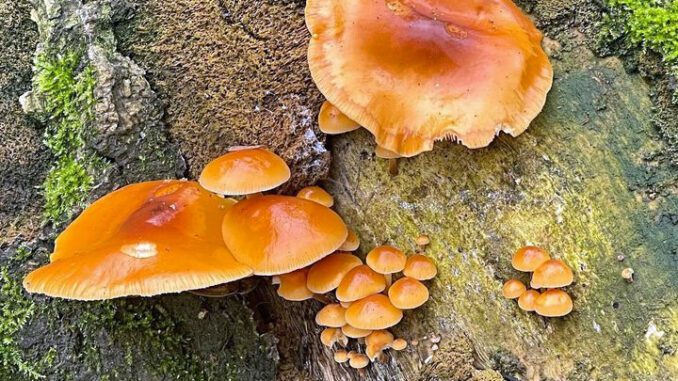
(144,239)
(316,194)
(358,361)
(429,84)
(529,258)
(332,121)
(353,332)
(359,282)
(373,312)
(528,299)
(399,344)
(293,286)
(244,171)
(386,260)
(553,303)
(420,267)
(408,293)
(332,315)
(326,274)
(278,234)
(352,242)
(341,356)
(513,288)
(377,341)
(553,273)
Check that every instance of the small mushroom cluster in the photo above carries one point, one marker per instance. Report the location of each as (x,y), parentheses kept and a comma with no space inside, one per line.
(547,273)
(366,300)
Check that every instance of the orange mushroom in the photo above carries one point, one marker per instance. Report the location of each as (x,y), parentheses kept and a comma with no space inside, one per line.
(278,234)
(399,344)
(341,356)
(332,315)
(331,336)
(513,288)
(293,286)
(528,299)
(373,312)
(144,239)
(376,342)
(553,303)
(529,258)
(316,194)
(358,361)
(552,274)
(352,242)
(386,260)
(353,332)
(332,121)
(359,282)
(414,71)
(244,170)
(420,267)
(408,293)
(326,274)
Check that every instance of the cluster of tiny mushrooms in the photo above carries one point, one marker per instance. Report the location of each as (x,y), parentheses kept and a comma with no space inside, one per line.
(411,72)
(548,274)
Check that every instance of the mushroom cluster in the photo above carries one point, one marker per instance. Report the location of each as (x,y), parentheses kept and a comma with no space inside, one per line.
(547,274)
(413,72)
(366,301)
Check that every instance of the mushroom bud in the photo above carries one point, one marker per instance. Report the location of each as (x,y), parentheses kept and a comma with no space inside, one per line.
(513,288)
(420,267)
(408,293)
(529,258)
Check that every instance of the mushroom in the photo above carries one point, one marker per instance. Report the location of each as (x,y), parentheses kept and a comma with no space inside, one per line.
(399,344)
(552,274)
(413,72)
(293,286)
(359,282)
(376,342)
(326,274)
(332,315)
(386,260)
(420,267)
(373,312)
(423,240)
(331,336)
(332,121)
(352,242)
(144,239)
(408,293)
(527,300)
(358,361)
(353,332)
(316,194)
(279,234)
(553,303)
(513,288)
(243,171)
(341,356)
(529,258)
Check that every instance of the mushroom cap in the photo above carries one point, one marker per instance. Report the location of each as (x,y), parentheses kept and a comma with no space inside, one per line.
(376,342)
(513,288)
(527,300)
(529,258)
(293,286)
(316,194)
(353,332)
(332,315)
(408,293)
(373,312)
(352,242)
(244,170)
(326,274)
(420,267)
(358,361)
(359,282)
(552,274)
(329,336)
(399,344)
(386,259)
(279,234)
(416,71)
(553,303)
(341,356)
(144,239)
(332,121)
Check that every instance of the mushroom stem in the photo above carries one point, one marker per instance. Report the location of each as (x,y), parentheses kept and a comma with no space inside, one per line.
(389,280)
(393,166)
(322,298)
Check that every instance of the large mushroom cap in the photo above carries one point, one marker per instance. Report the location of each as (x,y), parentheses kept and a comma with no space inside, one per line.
(245,170)
(416,71)
(279,234)
(144,239)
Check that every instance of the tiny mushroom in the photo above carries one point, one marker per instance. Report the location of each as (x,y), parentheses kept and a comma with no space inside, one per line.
(353,332)
(408,293)
(376,342)
(316,194)
(386,260)
(553,303)
(358,361)
(552,274)
(420,267)
(529,258)
(359,282)
(513,288)
(399,344)
(326,274)
(332,315)
(144,239)
(243,171)
(373,312)
(332,121)
(293,286)
(341,356)
(352,242)
(527,300)
(278,234)
(330,336)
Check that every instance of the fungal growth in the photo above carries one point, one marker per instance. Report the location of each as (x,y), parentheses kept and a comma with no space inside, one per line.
(413,72)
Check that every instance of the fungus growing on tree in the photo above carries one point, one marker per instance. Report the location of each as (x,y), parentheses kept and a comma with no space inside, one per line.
(341,356)
(332,315)
(353,332)
(332,121)
(352,242)
(420,267)
(413,72)
(552,274)
(359,282)
(399,344)
(293,286)
(527,300)
(243,171)
(513,288)
(316,194)
(358,361)
(374,312)
(326,274)
(553,303)
(386,260)
(144,239)
(331,336)
(408,293)
(278,234)
(529,258)
(376,342)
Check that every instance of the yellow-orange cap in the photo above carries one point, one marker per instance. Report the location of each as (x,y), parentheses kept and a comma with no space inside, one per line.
(353,332)
(373,312)
(552,274)
(386,259)
(529,258)
(352,242)
(377,341)
(293,286)
(316,194)
(358,361)
(332,315)
(513,288)
(326,274)
(553,303)
(528,299)
(420,267)
(332,121)
(359,282)
(408,293)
